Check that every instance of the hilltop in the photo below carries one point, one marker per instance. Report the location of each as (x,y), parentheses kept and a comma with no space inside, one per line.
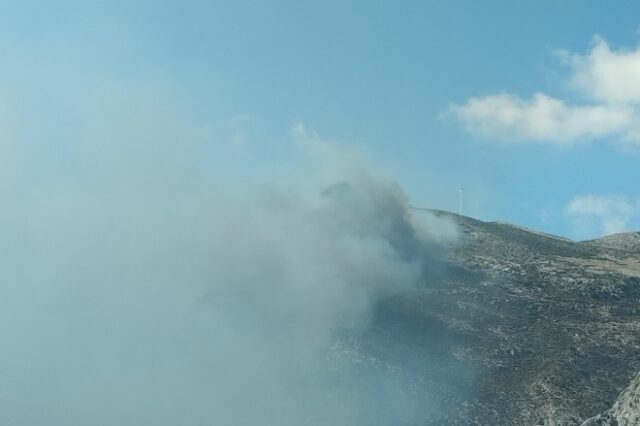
(517,327)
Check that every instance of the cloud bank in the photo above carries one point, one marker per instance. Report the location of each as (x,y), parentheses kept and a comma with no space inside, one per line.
(607,80)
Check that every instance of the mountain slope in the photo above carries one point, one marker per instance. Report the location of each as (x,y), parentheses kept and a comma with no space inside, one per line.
(626,410)
(525,328)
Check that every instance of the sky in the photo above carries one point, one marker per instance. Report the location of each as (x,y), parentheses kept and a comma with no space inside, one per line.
(203,202)
(531,107)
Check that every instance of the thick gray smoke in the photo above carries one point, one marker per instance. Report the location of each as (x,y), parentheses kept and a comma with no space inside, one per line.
(138,292)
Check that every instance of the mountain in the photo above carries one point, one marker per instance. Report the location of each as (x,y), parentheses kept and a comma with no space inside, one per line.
(517,327)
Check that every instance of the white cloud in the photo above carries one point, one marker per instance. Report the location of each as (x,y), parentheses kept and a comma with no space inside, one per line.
(607,76)
(593,214)
(609,79)
(542,118)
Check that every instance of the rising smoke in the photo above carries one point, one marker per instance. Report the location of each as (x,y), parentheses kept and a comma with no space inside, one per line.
(135,290)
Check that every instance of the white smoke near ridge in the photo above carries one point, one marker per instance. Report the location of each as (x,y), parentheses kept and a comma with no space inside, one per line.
(151,296)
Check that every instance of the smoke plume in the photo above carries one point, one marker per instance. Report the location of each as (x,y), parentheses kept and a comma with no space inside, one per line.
(138,290)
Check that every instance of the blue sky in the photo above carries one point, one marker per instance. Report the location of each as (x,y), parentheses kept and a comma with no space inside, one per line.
(394,79)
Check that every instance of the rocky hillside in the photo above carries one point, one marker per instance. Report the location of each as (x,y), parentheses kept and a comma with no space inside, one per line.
(626,410)
(515,327)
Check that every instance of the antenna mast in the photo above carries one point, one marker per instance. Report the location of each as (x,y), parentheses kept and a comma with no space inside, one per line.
(461,194)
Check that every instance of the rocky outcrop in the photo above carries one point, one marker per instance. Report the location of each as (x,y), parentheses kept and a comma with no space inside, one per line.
(625,411)
(514,327)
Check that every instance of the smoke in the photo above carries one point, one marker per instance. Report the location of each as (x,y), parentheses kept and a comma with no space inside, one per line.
(137,290)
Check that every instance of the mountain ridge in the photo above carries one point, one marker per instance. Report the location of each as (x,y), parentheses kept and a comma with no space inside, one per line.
(549,327)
